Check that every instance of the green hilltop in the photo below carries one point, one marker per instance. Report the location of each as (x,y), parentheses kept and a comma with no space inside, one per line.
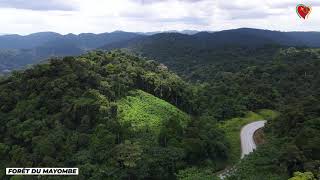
(147,112)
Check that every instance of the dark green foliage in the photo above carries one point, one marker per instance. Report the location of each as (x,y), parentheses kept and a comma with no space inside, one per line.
(293,137)
(65,114)
(205,142)
(196,174)
(230,81)
(264,164)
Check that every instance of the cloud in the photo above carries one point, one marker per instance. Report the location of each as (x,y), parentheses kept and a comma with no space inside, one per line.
(284,4)
(250,15)
(184,20)
(159,1)
(37,5)
(77,16)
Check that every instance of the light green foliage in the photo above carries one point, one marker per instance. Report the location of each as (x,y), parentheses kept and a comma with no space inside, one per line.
(303,176)
(268,114)
(233,127)
(147,112)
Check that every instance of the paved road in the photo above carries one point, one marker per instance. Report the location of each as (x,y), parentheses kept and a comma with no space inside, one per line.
(247,143)
(246,135)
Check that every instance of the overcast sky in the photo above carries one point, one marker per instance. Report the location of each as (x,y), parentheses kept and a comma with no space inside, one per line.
(78,16)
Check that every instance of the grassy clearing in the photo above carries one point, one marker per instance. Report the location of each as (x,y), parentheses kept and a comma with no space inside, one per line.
(233,127)
(268,114)
(146,112)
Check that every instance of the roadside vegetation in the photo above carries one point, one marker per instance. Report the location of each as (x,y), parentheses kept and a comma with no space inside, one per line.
(233,127)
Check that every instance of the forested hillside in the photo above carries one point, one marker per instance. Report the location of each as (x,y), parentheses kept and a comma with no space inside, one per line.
(16,52)
(173,47)
(234,80)
(293,138)
(118,114)
(93,112)
(181,49)
(283,79)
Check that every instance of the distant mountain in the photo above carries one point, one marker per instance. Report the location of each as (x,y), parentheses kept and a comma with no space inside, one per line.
(85,40)
(17,51)
(181,52)
(189,32)
(310,39)
(14,41)
(244,37)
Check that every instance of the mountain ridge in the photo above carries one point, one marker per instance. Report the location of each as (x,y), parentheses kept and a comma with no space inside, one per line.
(33,48)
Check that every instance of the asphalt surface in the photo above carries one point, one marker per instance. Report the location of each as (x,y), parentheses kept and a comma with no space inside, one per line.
(247,143)
(246,136)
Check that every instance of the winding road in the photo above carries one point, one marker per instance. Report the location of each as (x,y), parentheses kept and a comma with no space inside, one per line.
(247,142)
(246,135)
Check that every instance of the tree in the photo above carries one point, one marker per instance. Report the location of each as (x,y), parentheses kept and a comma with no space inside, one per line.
(128,154)
(303,176)
(102,143)
(194,173)
(127,157)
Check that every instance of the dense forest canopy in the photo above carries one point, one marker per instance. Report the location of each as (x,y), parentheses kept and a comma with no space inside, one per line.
(121,115)
(233,80)
(66,113)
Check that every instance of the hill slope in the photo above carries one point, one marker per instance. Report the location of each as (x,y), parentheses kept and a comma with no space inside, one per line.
(185,53)
(172,48)
(243,37)
(70,113)
(146,112)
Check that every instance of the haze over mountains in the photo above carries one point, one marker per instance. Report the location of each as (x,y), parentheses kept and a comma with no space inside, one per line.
(189,32)
(17,51)
(84,40)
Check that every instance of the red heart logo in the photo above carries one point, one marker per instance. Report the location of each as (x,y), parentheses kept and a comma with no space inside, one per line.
(303,11)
